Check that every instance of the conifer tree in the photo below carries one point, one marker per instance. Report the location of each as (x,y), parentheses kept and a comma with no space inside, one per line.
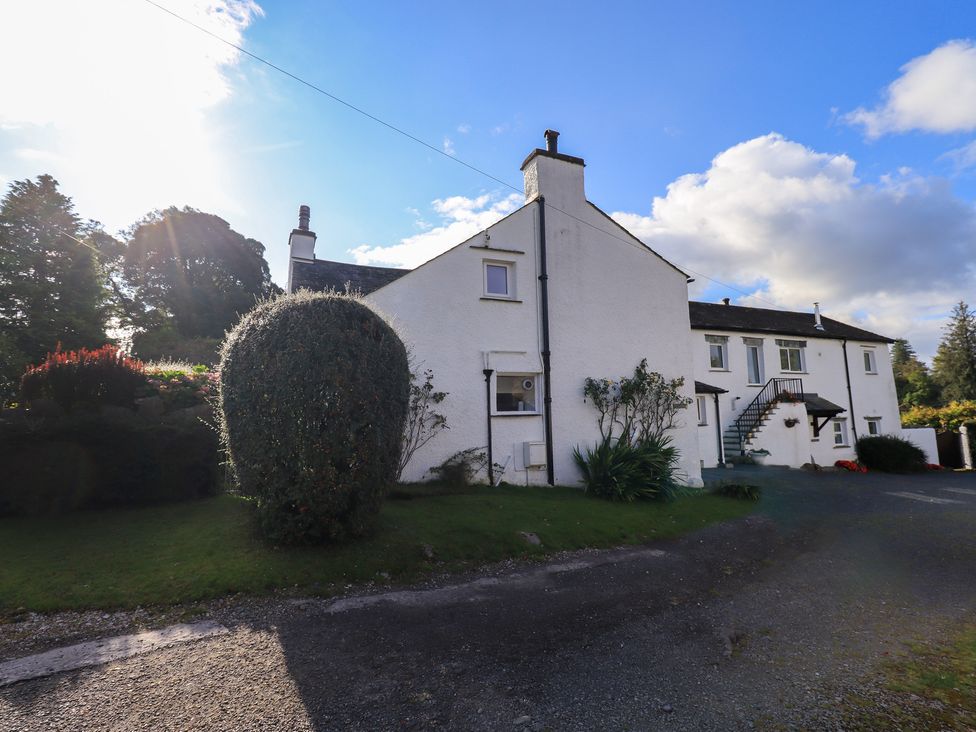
(913,382)
(52,288)
(954,366)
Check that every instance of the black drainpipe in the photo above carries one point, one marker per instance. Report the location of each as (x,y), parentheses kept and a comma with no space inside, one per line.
(546,373)
(718,429)
(850,396)
(491,461)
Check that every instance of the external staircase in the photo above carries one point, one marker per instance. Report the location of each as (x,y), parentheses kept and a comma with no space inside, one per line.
(739,436)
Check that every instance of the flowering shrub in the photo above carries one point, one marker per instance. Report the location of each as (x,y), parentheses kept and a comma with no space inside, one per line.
(851,466)
(105,375)
(181,385)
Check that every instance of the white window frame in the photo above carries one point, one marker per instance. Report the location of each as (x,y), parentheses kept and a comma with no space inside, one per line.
(537,388)
(870,361)
(702,402)
(842,432)
(509,279)
(785,345)
(876,421)
(722,343)
(760,360)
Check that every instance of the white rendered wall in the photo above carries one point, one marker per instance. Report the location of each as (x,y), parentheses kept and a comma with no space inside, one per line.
(611,303)
(923,437)
(873,394)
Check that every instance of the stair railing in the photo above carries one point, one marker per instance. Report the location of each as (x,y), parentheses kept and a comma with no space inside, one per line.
(775,391)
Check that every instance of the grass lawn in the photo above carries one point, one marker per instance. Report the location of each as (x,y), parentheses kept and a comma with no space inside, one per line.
(931,687)
(203,549)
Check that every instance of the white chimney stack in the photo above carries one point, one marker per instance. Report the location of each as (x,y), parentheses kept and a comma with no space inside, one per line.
(816,317)
(301,243)
(556,176)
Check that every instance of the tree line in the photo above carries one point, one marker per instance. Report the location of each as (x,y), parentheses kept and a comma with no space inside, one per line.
(952,377)
(173,283)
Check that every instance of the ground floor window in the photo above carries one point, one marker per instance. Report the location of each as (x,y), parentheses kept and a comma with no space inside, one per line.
(702,409)
(516,393)
(874,425)
(840,433)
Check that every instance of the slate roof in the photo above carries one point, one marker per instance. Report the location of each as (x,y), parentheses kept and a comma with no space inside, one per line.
(711,316)
(702,388)
(323,274)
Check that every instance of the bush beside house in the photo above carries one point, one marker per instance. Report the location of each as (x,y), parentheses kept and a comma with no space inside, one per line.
(314,396)
(890,454)
(97,428)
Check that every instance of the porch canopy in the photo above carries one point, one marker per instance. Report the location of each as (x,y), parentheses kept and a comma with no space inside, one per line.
(702,388)
(822,411)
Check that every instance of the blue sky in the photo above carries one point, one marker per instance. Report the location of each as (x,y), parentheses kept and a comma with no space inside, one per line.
(796,196)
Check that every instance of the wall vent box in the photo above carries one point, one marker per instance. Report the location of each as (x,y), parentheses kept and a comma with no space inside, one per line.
(534,454)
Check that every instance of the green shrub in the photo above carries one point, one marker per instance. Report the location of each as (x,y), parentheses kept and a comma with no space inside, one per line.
(890,454)
(740,491)
(314,395)
(102,377)
(620,471)
(93,460)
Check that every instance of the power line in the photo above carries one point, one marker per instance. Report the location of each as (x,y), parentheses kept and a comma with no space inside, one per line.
(434,148)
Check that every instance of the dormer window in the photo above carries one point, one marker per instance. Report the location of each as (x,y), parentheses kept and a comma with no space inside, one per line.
(499,280)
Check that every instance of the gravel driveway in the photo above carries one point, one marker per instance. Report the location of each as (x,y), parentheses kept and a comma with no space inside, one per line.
(761,623)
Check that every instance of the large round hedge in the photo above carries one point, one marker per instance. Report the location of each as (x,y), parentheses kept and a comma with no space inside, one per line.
(314,395)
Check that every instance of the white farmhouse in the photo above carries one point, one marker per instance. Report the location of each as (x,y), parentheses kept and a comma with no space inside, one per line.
(513,320)
(796,385)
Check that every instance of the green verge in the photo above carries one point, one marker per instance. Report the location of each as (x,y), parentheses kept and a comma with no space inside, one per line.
(203,549)
(933,686)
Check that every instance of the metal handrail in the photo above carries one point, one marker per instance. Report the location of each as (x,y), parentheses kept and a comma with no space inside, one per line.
(775,390)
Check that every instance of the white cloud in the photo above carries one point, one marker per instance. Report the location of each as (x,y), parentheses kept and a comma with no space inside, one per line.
(448,146)
(794,225)
(464,128)
(935,93)
(962,157)
(460,218)
(120,93)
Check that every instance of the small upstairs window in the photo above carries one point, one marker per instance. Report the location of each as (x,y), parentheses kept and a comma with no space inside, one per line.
(791,355)
(874,425)
(870,365)
(718,353)
(499,280)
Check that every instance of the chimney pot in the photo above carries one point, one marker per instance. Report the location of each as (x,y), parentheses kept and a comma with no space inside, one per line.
(304,214)
(725,300)
(552,141)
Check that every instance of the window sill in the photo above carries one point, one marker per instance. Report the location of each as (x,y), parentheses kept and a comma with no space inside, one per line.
(870,373)
(516,414)
(842,447)
(755,385)
(724,371)
(500,299)
(795,373)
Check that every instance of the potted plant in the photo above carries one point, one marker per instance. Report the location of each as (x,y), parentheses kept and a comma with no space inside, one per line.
(759,456)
